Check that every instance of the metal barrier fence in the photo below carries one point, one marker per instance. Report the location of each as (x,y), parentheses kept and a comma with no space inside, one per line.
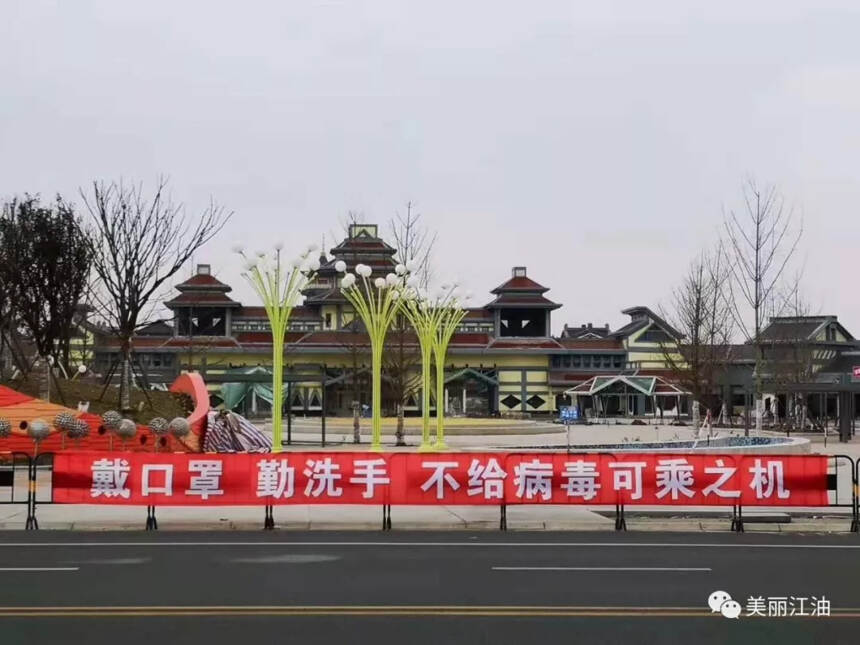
(840,493)
(16,476)
(843,486)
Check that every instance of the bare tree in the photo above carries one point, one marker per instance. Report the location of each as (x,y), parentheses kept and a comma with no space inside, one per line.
(792,357)
(701,312)
(140,242)
(358,344)
(760,242)
(413,241)
(45,272)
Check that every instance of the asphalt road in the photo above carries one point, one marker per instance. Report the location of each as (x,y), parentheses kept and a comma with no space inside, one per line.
(418,587)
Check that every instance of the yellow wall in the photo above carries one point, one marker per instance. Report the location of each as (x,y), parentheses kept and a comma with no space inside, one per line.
(81,351)
(647,355)
(536,382)
(822,335)
(510,372)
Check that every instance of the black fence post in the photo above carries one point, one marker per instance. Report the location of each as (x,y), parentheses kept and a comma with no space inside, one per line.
(151,521)
(620,522)
(738,519)
(386,517)
(855,498)
(32,524)
(503,517)
(269,521)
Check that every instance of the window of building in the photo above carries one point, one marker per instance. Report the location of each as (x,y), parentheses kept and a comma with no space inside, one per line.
(617,361)
(655,336)
(586,361)
(607,362)
(202,321)
(328,321)
(577,360)
(556,361)
(566,360)
(523,322)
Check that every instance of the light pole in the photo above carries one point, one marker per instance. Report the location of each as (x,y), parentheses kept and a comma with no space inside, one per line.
(376,303)
(425,320)
(451,312)
(280,288)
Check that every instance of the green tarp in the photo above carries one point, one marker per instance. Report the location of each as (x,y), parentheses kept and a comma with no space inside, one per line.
(234,393)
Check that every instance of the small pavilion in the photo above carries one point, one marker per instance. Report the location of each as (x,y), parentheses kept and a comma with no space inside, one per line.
(628,396)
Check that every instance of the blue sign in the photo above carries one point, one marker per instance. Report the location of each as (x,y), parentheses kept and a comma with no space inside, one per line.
(569,413)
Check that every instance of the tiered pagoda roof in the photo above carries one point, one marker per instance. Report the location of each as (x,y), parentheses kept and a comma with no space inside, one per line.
(202,290)
(362,246)
(520,291)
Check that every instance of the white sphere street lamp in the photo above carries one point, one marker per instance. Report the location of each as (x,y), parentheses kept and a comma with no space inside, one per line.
(377,304)
(280,288)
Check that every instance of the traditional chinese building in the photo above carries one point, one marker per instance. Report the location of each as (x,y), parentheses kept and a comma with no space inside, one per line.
(503,359)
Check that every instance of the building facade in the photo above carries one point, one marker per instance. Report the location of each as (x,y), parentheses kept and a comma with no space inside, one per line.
(503,359)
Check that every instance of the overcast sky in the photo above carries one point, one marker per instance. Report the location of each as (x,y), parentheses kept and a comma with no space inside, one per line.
(597,143)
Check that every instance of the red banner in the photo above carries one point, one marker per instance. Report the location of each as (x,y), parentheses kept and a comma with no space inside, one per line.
(444,478)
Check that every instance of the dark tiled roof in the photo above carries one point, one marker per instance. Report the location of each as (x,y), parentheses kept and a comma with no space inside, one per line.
(358,245)
(345,338)
(158,328)
(265,337)
(470,339)
(629,328)
(478,313)
(203,280)
(730,353)
(250,312)
(214,298)
(181,341)
(524,343)
(573,331)
(788,329)
(649,316)
(524,300)
(377,264)
(591,343)
(333,296)
(520,283)
(339,339)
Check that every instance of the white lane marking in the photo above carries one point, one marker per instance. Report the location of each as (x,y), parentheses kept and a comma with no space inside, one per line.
(712,545)
(286,558)
(39,568)
(115,561)
(601,569)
